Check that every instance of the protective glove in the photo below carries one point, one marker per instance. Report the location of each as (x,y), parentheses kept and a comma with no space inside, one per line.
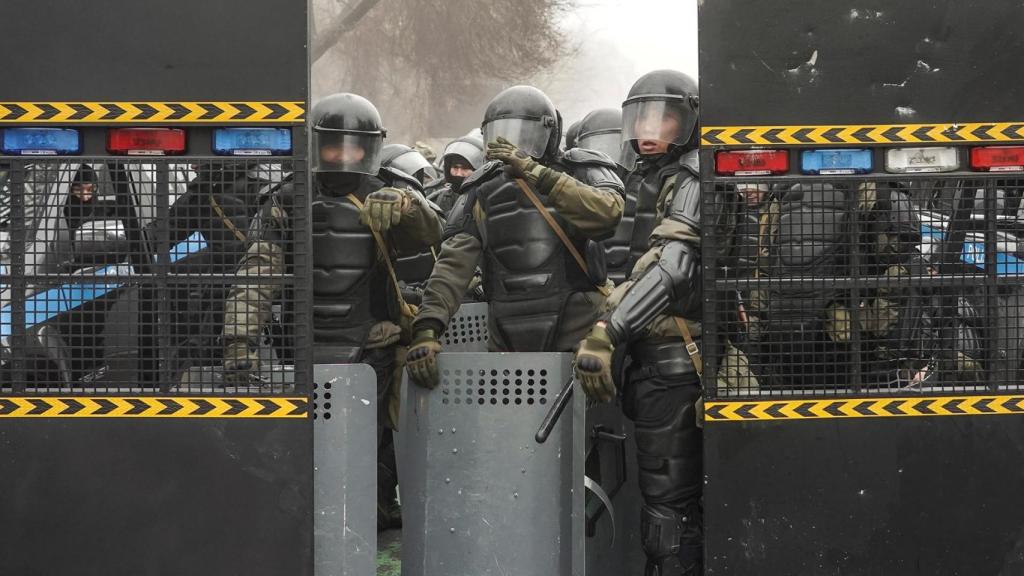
(421,361)
(593,365)
(241,363)
(383,209)
(507,152)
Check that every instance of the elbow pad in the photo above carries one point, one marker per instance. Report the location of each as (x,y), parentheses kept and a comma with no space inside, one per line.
(673,285)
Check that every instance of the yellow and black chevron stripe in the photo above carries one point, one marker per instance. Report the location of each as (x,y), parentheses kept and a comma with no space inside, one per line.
(715,411)
(152,407)
(151,112)
(973,133)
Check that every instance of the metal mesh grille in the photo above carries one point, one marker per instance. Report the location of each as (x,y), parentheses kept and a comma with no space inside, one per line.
(867,286)
(115,275)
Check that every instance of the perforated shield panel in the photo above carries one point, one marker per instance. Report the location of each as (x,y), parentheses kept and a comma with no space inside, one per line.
(467,330)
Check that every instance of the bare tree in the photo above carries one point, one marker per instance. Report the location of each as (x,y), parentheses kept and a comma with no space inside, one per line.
(431,65)
(330,33)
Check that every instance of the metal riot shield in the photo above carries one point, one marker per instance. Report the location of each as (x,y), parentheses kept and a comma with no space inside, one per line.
(613,497)
(479,496)
(467,330)
(345,469)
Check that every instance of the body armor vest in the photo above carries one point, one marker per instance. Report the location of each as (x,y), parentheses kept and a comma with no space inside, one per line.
(809,239)
(639,217)
(528,273)
(350,284)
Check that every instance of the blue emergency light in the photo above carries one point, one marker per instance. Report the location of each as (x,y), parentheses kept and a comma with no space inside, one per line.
(40,141)
(252,141)
(838,161)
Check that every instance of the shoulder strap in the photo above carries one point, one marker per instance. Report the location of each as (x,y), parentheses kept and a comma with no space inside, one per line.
(558,231)
(691,346)
(227,221)
(406,309)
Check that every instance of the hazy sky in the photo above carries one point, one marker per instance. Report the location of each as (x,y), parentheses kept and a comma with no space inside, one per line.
(650,33)
(619,40)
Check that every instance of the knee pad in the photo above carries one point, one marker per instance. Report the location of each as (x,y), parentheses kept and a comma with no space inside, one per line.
(669,454)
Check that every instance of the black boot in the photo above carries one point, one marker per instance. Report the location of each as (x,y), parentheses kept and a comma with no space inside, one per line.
(672,541)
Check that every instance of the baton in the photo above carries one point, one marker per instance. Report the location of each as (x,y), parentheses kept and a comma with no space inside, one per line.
(551,418)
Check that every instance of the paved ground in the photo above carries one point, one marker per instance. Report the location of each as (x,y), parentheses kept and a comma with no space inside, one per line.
(389,553)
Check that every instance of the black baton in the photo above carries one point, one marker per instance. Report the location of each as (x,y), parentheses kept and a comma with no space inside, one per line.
(555,412)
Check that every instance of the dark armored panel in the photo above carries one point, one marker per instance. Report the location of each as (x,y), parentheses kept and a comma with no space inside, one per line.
(813,62)
(125,50)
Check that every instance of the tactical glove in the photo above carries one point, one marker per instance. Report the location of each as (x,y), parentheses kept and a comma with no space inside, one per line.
(421,361)
(593,365)
(512,156)
(383,209)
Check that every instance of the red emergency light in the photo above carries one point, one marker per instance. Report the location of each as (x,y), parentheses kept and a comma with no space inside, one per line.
(998,158)
(146,141)
(751,162)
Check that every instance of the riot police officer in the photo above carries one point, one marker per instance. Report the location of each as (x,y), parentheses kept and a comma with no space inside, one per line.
(601,131)
(654,316)
(362,217)
(542,277)
(461,158)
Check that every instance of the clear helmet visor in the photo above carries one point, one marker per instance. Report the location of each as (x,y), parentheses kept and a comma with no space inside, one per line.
(349,152)
(609,142)
(657,121)
(530,136)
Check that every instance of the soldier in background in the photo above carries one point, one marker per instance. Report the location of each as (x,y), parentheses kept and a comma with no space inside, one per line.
(460,159)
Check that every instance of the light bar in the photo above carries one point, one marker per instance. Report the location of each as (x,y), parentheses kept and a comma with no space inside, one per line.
(146,141)
(998,158)
(252,141)
(839,161)
(751,162)
(40,141)
(920,160)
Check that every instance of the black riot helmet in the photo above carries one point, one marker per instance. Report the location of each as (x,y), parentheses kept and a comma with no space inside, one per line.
(661,106)
(524,116)
(601,130)
(347,135)
(572,134)
(405,159)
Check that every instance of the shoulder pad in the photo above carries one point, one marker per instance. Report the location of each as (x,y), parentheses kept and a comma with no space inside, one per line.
(483,174)
(690,161)
(459,218)
(398,179)
(587,157)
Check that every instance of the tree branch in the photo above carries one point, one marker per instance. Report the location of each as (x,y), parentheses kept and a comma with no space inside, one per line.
(329,35)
